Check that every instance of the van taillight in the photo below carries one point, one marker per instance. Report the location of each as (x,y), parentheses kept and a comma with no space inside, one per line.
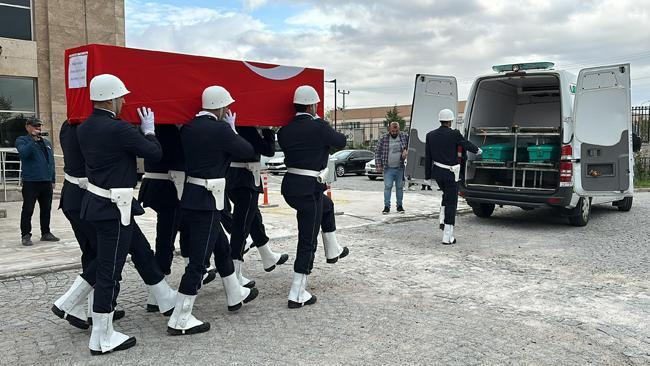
(567,152)
(566,174)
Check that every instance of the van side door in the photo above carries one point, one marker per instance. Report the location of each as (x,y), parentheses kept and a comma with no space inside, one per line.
(603,127)
(432,94)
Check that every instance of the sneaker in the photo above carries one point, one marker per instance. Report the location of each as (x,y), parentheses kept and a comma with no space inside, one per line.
(49,237)
(27,240)
(400,209)
(386,210)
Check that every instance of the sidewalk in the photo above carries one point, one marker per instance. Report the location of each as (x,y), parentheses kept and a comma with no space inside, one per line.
(354,209)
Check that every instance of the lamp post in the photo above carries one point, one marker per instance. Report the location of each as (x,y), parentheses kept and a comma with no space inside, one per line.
(333,81)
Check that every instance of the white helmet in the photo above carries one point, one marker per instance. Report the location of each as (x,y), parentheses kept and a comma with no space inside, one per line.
(305,95)
(215,97)
(445,115)
(106,87)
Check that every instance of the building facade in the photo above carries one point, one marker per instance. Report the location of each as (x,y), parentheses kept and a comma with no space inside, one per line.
(34,35)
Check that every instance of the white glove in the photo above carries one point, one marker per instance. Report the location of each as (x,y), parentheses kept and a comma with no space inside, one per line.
(479,152)
(427,182)
(230,119)
(146,121)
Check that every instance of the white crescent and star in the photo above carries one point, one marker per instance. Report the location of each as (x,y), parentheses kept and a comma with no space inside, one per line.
(277,72)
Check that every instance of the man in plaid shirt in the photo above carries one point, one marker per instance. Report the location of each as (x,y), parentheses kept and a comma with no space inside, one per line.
(391,152)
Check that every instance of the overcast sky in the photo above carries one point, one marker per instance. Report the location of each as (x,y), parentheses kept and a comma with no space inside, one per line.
(374,48)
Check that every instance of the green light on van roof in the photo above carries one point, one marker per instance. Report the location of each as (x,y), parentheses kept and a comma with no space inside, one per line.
(524,66)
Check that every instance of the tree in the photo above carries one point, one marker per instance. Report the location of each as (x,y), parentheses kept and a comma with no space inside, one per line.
(393,116)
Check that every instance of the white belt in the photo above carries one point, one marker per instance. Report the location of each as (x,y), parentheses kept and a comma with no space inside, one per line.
(216,186)
(82,182)
(452,168)
(321,176)
(176,176)
(253,167)
(121,197)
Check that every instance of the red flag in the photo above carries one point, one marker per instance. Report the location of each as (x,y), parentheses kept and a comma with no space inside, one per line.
(171,84)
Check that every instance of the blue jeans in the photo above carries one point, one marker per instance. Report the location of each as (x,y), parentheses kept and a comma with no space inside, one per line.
(393,175)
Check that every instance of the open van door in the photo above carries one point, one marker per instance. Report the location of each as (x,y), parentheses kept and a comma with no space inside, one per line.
(603,127)
(432,94)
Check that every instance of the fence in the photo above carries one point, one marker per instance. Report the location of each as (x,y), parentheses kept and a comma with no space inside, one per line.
(641,122)
(10,168)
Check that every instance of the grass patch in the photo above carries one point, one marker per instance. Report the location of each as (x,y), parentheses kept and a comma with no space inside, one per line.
(642,182)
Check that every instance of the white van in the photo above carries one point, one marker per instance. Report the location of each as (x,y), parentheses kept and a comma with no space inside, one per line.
(584,123)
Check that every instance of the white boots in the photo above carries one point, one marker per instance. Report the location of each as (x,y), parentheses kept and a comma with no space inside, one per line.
(72,305)
(269,258)
(448,235)
(163,296)
(333,251)
(236,294)
(240,277)
(152,304)
(104,339)
(298,295)
(441,217)
(182,321)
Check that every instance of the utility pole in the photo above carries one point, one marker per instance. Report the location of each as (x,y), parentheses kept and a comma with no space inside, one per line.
(335,108)
(344,92)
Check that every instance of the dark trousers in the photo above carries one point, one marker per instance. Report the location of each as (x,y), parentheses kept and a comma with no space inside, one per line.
(245,207)
(328,223)
(86,236)
(309,212)
(258,231)
(203,229)
(114,242)
(449,189)
(32,192)
(167,226)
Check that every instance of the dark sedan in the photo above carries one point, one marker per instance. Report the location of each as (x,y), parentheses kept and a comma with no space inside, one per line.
(351,161)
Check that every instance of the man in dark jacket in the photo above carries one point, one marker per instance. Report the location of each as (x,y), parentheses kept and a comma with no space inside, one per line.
(441,164)
(110,147)
(244,185)
(209,142)
(37,162)
(306,142)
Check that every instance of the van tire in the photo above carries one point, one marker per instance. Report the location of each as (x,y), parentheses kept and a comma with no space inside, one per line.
(580,215)
(483,210)
(624,205)
(371,177)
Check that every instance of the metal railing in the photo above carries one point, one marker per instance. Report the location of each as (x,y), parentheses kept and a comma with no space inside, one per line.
(641,122)
(10,168)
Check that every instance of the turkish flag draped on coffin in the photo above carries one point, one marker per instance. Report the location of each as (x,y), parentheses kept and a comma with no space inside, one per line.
(171,84)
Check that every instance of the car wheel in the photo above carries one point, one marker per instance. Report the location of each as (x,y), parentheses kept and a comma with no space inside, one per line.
(340,171)
(483,210)
(624,205)
(360,173)
(372,177)
(580,214)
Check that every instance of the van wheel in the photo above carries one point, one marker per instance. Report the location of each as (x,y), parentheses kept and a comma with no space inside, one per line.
(580,214)
(483,210)
(624,205)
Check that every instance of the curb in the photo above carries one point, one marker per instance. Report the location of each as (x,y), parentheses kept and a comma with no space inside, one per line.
(71,266)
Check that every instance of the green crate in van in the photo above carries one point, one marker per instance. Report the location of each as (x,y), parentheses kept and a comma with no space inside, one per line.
(543,153)
(498,152)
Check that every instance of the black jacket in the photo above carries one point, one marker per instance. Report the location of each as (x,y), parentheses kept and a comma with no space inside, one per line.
(209,146)
(306,143)
(156,193)
(110,147)
(442,147)
(263,145)
(74,165)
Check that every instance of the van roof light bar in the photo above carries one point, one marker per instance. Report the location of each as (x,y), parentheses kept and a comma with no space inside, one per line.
(523,66)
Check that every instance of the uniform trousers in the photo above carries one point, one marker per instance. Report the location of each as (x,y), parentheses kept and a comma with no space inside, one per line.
(114,242)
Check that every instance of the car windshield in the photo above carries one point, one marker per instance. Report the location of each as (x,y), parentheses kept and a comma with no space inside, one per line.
(342,154)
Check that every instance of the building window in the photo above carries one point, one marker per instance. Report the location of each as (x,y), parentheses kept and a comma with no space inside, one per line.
(17,102)
(16,19)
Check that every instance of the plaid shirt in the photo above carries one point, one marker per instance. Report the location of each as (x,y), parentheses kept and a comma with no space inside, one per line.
(381,153)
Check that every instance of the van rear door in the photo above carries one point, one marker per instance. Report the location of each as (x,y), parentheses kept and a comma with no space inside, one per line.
(432,94)
(602,117)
